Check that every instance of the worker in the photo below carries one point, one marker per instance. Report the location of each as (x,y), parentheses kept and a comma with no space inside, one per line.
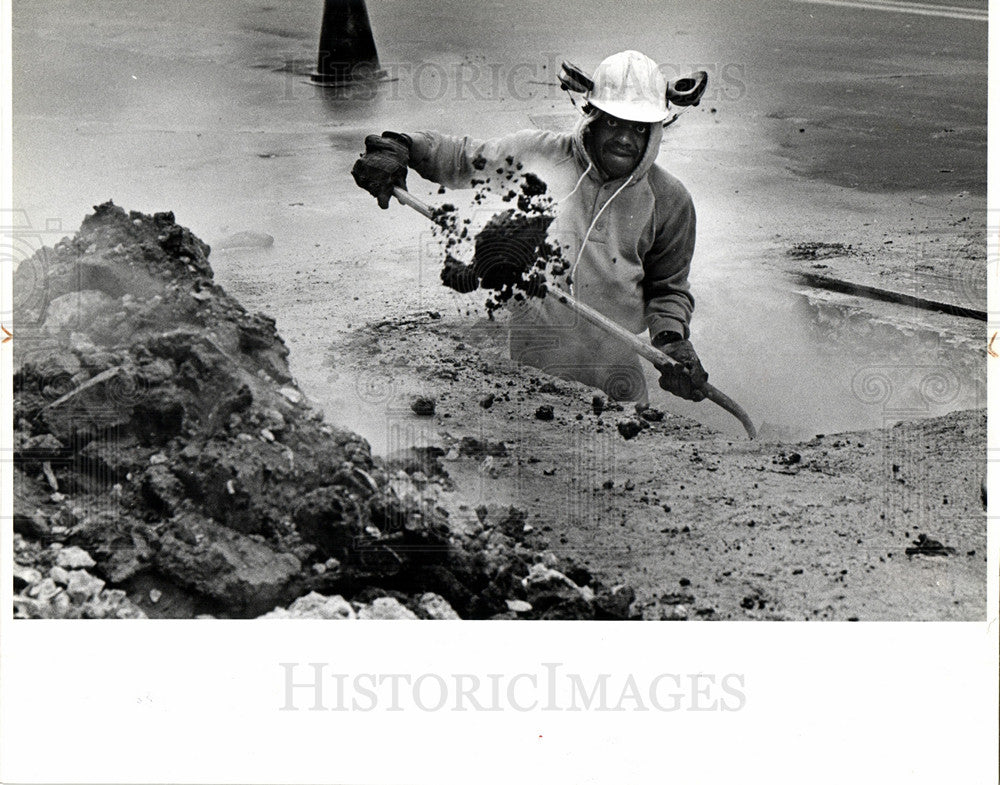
(625,224)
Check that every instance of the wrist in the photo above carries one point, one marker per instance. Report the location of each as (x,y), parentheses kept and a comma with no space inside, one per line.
(397,137)
(666,337)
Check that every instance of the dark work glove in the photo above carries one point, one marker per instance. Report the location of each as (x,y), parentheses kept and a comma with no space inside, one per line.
(685,379)
(383,166)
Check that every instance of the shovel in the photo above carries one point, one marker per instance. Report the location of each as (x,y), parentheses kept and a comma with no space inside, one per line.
(602,322)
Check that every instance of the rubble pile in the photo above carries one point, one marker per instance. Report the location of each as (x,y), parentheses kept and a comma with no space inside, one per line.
(167,465)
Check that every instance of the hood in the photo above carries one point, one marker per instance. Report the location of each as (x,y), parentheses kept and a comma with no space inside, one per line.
(648,155)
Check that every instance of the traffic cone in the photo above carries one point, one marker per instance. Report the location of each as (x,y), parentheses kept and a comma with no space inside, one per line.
(346,45)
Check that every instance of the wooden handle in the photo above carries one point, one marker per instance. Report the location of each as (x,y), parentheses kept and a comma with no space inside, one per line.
(411,201)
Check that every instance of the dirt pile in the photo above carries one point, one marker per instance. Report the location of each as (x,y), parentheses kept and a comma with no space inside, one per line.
(159,433)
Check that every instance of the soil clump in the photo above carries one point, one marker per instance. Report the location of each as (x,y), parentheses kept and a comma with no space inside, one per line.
(513,255)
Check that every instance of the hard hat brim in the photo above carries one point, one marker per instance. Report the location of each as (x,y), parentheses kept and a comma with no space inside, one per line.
(630,111)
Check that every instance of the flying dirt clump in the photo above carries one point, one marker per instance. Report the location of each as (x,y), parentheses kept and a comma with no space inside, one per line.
(513,255)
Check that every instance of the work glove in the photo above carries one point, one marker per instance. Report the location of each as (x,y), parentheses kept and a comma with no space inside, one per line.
(687,377)
(383,165)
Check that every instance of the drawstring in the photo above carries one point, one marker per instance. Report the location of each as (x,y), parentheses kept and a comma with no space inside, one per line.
(590,166)
(586,237)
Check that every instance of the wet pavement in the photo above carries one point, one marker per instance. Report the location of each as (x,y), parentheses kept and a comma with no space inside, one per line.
(202,109)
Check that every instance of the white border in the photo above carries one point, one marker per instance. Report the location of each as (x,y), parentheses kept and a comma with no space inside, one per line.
(198,702)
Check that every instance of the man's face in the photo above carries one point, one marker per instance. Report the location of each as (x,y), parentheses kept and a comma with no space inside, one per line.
(618,145)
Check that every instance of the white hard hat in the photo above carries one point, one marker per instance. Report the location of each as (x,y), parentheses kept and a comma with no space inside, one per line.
(630,86)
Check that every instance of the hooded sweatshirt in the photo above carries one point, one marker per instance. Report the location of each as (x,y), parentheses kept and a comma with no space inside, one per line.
(629,242)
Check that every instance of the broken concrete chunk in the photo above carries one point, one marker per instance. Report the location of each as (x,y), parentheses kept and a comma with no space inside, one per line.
(386,608)
(25,576)
(44,590)
(74,558)
(315,606)
(111,604)
(291,394)
(82,586)
(434,606)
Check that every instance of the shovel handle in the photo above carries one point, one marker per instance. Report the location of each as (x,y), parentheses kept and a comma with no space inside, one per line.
(411,201)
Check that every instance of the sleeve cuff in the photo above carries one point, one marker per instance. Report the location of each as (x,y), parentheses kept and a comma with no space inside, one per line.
(666,324)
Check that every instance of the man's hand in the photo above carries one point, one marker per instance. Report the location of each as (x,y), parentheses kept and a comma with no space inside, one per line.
(383,166)
(685,379)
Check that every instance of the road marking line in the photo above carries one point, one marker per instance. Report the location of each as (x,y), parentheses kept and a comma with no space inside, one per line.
(904,6)
(920,9)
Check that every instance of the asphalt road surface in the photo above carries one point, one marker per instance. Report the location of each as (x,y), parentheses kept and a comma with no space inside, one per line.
(129,96)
